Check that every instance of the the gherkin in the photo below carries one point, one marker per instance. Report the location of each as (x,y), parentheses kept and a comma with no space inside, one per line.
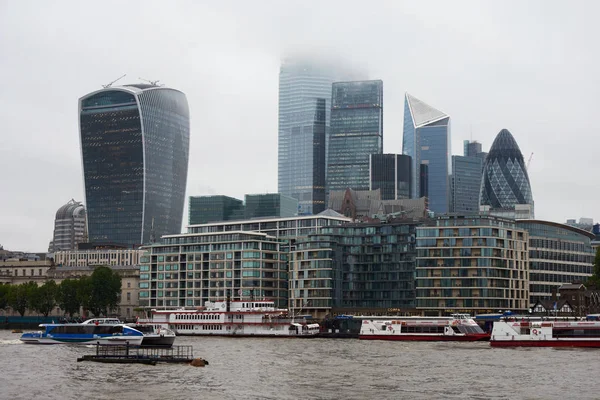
(505,182)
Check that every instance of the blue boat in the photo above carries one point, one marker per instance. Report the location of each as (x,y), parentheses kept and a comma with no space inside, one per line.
(106,331)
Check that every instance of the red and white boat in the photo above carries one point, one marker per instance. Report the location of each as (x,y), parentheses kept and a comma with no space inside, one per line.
(458,327)
(545,333)
(233,318)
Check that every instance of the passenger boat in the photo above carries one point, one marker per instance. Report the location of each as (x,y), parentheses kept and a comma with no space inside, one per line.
(93,331)
(233,318)
(458,327)
(155,335)
(545,333)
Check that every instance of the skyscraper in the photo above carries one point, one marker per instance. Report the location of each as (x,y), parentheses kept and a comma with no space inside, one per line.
(391,173)
(471,148)
(505,186)
(356,133)
(135,148)
(466,184)
(69,227)
(304,110)
(426,139)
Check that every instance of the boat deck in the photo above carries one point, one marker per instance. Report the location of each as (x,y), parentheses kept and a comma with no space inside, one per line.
(140,355)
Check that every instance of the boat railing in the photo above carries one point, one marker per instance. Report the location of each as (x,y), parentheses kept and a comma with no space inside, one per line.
(150,352)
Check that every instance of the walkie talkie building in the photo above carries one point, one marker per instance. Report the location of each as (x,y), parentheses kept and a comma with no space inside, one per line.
(135,150)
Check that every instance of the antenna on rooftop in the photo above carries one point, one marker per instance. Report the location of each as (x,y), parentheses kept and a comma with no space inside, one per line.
(111,83)
(153,83)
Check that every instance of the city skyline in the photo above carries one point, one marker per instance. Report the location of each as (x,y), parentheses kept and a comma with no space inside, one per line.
(241,73)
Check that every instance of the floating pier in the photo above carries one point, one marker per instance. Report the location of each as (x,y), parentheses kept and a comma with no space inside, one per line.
(146,355)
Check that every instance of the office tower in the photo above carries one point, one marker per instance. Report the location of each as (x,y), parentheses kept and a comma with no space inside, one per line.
(505,187)
(391,173)
(356,133)
(204,209)
(270,205)
(304,111)
(471,149)
(423,180)
(466,184)
(426,139)
(134,146)
(69,227)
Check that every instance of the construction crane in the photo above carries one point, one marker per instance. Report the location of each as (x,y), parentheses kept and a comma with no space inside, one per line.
(529,162)
(153,83)
(110,84)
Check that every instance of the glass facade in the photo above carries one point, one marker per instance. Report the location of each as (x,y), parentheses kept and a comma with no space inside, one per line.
(135,147)
(204,209)
(356,133)
(391,173)
(354,268)
(505,181)
(558,254)
(304,114)
(474,264)
(270,205)
(466,183)
(426,139)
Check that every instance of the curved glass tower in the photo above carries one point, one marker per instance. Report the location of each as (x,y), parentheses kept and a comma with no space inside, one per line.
(505,184)
(135,150)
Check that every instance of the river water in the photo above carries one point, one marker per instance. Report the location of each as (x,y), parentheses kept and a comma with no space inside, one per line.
(258,368)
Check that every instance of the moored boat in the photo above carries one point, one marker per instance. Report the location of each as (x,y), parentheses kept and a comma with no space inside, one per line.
(155,335)
(105,331)
(458,327)
(236,318)
(545,333)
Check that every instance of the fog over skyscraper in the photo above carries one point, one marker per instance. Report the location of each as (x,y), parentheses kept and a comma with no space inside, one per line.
(135,149)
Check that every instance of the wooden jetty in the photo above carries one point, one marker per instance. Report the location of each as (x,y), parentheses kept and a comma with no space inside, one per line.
(141,355)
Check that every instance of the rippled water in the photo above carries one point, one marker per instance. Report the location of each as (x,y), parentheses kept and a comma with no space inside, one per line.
(305,369)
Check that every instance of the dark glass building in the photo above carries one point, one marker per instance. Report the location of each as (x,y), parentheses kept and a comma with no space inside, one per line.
(270,205)
(391,173)
(466,183)
(426,139)
(304,110)
(505,184)
(204,209)
(356,133)
(135,147)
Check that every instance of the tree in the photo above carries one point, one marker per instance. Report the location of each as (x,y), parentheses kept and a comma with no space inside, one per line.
(44,298)
(68,296)
(19,298)
(105,290)
(4,289)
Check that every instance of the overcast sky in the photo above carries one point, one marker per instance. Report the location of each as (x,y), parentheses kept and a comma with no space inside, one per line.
(530,67)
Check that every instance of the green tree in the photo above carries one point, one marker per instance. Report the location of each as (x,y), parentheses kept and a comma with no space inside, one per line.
(105,290)
(68,296)
(4,289)
(84,292)
(20,297)
(44,298)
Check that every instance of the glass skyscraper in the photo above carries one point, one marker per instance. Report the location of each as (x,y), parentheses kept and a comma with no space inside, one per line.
(304,110)
(466,184)
(135,149)
(505,184)
(391,174)
(427,140)
(356,133)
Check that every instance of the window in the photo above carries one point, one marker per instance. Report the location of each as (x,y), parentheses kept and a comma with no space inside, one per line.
(128,285)
(128,296)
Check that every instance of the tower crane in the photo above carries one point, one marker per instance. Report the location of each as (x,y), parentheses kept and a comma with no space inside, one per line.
(153,83)
(529,162)
(110,84)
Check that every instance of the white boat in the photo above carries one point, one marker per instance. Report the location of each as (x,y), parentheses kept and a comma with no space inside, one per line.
(105,331)
(233,318)
(155,335)
(545,333)
(458,327)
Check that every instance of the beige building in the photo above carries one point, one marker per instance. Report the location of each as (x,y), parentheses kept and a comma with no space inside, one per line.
(80,258)
(18,272)
(474,264)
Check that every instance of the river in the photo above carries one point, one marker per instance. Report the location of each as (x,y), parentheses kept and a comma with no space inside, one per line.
(305,369)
